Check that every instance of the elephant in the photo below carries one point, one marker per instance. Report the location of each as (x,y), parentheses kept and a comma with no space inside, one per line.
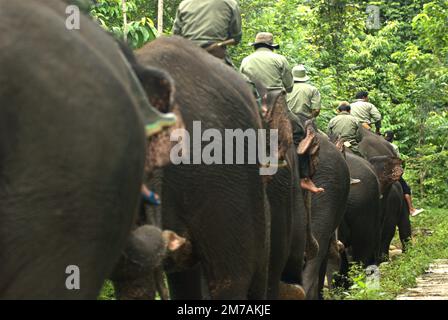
(360,229)
(287,232)
(222,210)
(397,217)
(289,220)
(395,210)
(327,211)
(72,152)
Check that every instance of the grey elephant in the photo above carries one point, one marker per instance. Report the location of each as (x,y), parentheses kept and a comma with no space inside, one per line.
(362,228)
(72,152)
(396,212)
(222,210)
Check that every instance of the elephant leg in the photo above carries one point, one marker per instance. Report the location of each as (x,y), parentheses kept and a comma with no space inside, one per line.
(365,246)
(322,273)
(223,287)
(387,236)
(333,263)
(312,271)
(341,280)
(404,227)
(136,289)
(185,285)
(292,273)
(160,284)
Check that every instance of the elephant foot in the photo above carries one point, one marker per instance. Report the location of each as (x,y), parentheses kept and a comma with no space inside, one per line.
(291,292)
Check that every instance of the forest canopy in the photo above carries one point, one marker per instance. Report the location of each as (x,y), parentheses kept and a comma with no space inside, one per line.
(398,52)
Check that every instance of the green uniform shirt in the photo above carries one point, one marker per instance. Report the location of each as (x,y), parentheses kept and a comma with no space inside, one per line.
(303,99)
(365,112)
(346,126)
(204,21)
(268,68)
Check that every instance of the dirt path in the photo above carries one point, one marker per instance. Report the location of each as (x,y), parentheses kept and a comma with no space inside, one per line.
(432,285)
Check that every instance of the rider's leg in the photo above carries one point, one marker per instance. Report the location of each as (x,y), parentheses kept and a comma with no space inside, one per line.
(305,181)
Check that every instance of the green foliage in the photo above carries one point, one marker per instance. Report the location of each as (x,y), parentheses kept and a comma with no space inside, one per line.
(361,289)
(107,292)
(140,28)
(401,273)
(403,65)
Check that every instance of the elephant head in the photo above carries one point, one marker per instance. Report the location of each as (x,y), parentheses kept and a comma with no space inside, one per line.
(373,145)
(138,274)
(388,170)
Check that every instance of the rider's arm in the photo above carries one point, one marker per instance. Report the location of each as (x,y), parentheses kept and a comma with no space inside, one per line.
(235,31)
(177,25)
(287,80)
(376,117)
(315,103)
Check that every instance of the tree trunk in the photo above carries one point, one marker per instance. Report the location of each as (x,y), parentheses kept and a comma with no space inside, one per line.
(160,18)
(125,20)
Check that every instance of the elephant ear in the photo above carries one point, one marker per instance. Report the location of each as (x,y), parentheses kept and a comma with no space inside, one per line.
(160,90)
(388,169)
(274,101)
(158,86)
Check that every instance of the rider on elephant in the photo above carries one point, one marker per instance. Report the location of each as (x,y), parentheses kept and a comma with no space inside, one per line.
(212,24)
(267,67)
(209,23)
(304,98)
(346,127)
(365,112)
(272,70)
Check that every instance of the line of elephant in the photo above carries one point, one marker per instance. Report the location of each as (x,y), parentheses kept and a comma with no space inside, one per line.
(73,156)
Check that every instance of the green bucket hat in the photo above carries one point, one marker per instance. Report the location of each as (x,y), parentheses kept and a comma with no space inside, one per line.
(299,73)
(265,38)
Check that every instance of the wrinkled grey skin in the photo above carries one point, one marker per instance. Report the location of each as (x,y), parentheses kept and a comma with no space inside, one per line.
(397,216)
(360,229)
(288,220)
(221,209)
(71,152)
(327,212)
(395,211)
